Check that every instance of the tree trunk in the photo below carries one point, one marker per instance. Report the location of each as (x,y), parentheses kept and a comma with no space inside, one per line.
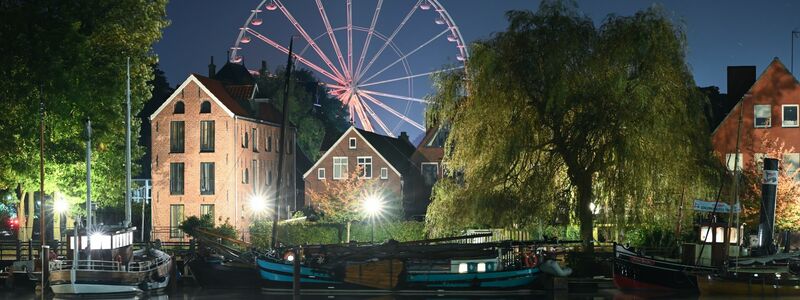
(584,185)
(348,231)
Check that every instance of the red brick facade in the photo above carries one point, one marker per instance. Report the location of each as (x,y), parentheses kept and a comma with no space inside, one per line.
(775,96)
(392,184)
(242,169)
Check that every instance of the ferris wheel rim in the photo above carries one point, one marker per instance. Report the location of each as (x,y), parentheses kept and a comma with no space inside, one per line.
(347,72)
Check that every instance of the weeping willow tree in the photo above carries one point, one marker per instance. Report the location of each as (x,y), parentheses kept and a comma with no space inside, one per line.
(555,113)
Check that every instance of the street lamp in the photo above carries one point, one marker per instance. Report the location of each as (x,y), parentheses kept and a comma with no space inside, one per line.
(60,205)
(372,206)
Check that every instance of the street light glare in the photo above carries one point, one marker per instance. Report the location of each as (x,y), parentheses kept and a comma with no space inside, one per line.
(373,205)
(60,206)
(258,204)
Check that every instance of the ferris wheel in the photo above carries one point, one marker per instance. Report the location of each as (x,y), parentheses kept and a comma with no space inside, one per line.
(370,57)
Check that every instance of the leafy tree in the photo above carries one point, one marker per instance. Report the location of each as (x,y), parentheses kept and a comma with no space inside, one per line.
(312,110)
(72,55)
(206,223)
(787,205)
(341,201)
(558,111)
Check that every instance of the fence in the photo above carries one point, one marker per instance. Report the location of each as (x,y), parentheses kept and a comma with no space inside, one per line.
(14,250)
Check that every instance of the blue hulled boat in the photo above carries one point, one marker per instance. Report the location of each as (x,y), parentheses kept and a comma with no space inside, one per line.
(396,267)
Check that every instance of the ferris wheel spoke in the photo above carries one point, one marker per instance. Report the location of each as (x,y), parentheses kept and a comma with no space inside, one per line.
(299,58)
(370,32)
(408,54)
(308,38)
(408,77)
(375,117)
(391,110)
(356,104)
(332,37)
(349,38)
(376,93)
(389,40)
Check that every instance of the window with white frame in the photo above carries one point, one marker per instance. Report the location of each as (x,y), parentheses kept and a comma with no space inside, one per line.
(384,173)
(790,115)
(321,173)
(791,161)
(430,172)
(763,115)
(733,160)
(339,167)
(352,143)
(365,167)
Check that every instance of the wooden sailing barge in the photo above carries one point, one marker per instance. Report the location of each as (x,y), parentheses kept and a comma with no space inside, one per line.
(399,267)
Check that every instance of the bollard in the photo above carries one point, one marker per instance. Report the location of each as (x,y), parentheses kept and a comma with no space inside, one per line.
(44,255)
(296,270)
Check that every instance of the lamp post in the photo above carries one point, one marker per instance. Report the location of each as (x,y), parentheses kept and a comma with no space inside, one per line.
(372,206)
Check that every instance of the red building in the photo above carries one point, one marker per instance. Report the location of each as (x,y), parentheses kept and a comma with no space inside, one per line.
(769,109)
(215,152)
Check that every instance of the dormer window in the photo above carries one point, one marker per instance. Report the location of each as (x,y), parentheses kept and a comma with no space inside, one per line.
(352,143)
(763,115)
(178,107)
(205,107)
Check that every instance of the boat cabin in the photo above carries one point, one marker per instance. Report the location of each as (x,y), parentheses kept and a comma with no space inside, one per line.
(107,243)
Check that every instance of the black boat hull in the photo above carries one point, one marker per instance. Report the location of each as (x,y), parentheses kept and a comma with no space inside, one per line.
(633,271)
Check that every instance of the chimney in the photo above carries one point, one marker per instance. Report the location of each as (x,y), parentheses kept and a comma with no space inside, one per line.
(404,137)
(263,71)
(740,79)
(212,69)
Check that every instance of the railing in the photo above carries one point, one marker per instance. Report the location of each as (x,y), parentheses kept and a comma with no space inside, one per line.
(15,250)
(86,265)
(144,266)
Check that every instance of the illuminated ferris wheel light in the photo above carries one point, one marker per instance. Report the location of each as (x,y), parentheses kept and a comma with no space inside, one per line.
(372,101)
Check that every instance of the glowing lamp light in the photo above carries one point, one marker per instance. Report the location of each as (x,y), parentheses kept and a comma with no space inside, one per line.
(258,204)
(372,205)
(290,257)
(60,205)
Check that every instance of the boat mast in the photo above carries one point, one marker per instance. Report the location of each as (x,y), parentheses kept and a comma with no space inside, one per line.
(88,173)
(42,214)
(128,147)
(282,147)
(735,200)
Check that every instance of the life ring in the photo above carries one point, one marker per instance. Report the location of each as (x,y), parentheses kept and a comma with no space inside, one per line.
(531,260)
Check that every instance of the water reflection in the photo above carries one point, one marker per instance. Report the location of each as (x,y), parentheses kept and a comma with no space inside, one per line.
(196,293)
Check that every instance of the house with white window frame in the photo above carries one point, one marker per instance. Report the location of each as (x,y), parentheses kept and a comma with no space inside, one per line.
(376,157)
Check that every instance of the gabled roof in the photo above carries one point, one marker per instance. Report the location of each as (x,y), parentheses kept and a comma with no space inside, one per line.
(216,93)
(776,63)
(219,90)
(396,152)
(234,74)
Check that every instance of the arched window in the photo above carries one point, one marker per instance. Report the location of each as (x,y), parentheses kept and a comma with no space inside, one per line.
(178,107)
(205,107)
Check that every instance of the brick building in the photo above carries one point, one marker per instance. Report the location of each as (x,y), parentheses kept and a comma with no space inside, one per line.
(769,109)
(215,151)
(382,158)
(427,159)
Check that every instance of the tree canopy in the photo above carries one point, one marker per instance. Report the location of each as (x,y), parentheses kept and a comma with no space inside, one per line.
(556,116)
(72,55)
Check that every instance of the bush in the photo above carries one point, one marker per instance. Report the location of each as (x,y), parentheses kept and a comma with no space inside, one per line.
(191,224)
(309,233)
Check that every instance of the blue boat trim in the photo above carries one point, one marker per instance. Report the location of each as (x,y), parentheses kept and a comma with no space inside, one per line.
(284,268)
(471,276)
(287,278)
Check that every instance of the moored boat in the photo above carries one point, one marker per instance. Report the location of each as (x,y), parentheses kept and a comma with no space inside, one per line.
(635,271)
(397,268)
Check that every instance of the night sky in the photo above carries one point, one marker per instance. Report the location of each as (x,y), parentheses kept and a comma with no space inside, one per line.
(719,34)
